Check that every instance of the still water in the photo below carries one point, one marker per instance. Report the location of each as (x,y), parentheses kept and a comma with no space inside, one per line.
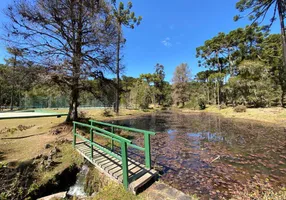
(212,156)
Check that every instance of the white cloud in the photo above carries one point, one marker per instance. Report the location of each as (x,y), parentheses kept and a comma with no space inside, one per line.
(167,42)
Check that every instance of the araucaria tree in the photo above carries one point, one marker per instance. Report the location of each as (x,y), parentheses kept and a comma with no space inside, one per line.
(123,17)
(180,81)
(258,10)
(73,39)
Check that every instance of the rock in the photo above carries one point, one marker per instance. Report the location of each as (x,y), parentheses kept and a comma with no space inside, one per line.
(63,141)
(172,192)
(56,131)
(60,195)
(184,197)
(55,151)
(38,156)
(47,146)
(160,186)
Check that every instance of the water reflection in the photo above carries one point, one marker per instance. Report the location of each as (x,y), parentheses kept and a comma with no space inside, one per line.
(210,155)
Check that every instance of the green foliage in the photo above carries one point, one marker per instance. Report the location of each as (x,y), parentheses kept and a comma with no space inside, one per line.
(3,196)
(254,85)
(257,12)
(124,16)
(94,181)
(258,9)
(195,104)
(114,191)
(33,187)
(147,89)
(222,55)
(239,108)
(142,94)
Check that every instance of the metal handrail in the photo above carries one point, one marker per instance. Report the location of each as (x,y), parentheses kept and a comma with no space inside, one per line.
(104,131)
(146,148)
(123,144)
(123,127)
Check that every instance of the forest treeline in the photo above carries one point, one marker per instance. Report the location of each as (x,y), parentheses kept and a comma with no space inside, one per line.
(63,53)
(244,66)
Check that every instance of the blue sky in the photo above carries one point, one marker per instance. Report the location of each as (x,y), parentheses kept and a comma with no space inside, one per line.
(170,32)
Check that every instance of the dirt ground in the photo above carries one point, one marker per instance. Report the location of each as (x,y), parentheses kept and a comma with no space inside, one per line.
(22,139)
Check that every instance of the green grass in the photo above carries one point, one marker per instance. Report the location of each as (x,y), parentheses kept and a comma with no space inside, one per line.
(114,191)
(68,157)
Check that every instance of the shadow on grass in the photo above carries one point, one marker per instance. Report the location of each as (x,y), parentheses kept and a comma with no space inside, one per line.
(2,157)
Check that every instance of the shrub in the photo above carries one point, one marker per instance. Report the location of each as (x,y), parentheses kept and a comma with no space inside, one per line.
(107,112)
(202,104)
(164,108)
(82,114)
(192,104)
(223,106)
(195,104)
(239,109)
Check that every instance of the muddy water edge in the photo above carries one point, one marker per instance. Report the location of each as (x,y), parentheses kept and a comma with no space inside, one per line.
(212,156)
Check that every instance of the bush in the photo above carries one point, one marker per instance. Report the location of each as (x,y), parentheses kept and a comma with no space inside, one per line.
(223,106)
(202,104)
(82,114)
(164,108)
(239,109)
(195,104)
(107,113)
(192,105)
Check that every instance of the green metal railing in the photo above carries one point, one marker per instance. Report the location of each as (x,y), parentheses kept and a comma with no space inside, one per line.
(124,143)
(147,134)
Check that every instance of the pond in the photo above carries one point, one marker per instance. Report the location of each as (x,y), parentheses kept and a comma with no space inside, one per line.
(212,156)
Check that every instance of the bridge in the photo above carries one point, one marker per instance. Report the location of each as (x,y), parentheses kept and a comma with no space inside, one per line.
(115,164)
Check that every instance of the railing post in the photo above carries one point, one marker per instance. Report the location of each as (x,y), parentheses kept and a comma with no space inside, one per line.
(112,142)
(124,163)
(74,135)
(91,141)
(147,150)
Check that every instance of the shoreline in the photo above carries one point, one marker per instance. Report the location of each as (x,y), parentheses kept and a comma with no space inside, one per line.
(270,116)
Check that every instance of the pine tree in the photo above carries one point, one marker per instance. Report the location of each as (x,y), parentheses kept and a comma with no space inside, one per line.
(123,17)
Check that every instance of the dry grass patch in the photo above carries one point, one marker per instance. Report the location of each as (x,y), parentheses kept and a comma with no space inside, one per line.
(270,115)
(22,144)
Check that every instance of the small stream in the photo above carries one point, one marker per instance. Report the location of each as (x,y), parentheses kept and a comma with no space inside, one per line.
(78,188)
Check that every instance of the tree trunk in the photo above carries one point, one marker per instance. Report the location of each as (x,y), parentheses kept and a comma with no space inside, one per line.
(282,97)
(214,93)
(117,93)
(76,65)
(12,98)
(73,105)
(283,37)
(218,93)
(13,83)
